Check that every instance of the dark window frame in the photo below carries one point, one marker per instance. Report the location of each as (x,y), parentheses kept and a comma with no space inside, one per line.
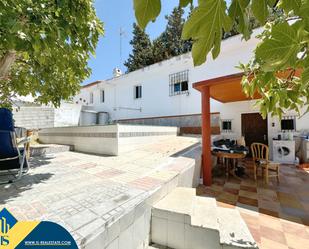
(179,83)
(228,127)
(138,91)
(102,96)
(286,123)
(91,98)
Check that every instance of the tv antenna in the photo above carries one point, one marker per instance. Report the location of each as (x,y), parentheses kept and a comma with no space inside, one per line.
(122,34)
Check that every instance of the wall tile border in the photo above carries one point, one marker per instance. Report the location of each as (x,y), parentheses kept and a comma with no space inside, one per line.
(107,134)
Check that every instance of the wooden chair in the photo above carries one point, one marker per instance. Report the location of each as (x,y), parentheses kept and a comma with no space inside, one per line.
(260,156)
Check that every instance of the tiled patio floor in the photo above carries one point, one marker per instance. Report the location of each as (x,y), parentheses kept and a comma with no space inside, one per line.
(277,215)
(85,192)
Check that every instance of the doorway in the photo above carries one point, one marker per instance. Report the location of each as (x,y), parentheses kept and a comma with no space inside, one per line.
(254,129)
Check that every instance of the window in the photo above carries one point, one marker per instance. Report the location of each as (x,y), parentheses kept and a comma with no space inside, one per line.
(91,98)
(137,92)
(226,125)
(179,83)
(288,124)
(102,96)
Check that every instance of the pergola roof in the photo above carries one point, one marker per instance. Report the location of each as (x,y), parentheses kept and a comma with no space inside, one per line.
(225,89)
(228,88)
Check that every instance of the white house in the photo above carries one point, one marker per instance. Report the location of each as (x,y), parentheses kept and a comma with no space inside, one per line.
(162,94)
(163,91)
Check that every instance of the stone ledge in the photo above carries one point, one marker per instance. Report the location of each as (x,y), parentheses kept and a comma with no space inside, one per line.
(183,220)
(43,149)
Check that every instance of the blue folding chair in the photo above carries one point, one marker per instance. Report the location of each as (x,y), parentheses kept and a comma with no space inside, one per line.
(13,160)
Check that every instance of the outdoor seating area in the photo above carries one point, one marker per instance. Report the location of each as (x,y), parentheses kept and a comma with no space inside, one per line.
(230,158)
(277,213)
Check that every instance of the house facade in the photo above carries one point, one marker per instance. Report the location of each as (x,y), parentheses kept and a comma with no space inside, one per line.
(163,94)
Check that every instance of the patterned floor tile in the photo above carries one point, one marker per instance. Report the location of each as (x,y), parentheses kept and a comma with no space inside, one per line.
(270,221)
(247,201)
(276,214)
(248,188)
(273,234)
(74,189)
(295,229)
(269,212)
(248,194)
(225,205)
(270,244)
(231,190)
(296,242)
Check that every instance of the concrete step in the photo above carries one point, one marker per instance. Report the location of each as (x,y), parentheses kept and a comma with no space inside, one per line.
(179,201)
(233,231)
(204,213)
(183,220)
(154,246)
(43,149)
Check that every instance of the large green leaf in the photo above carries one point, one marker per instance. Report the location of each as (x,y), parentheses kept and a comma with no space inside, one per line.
(289,5)
(260,10)
(184,3)
(305,73)
(146,11)
(205,28)
(272,3)
(238,13)
(304,13)
(280,49)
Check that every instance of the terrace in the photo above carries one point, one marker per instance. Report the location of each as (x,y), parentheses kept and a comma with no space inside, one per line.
(276,214)
(132,198)
(98,198)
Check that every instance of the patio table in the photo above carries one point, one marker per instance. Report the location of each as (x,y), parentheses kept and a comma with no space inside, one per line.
(230,161)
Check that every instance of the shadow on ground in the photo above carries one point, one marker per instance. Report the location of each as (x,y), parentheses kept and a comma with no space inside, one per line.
(194,151)
(39,161)
(10,191)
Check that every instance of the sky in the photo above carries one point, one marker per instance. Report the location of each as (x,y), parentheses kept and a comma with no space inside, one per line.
(117,14)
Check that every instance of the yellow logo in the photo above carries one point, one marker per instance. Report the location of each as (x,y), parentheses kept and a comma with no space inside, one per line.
(5,227)
(7,221)
(29,234)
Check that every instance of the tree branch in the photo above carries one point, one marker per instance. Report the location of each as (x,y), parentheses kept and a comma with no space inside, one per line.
(6,62)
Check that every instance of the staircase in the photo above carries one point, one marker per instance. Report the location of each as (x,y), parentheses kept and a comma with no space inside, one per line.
(183,220)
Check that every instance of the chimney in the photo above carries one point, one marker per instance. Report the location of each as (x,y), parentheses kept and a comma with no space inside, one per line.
(117,72)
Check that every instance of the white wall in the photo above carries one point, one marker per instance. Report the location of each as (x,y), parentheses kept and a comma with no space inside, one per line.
(32,116)
(67,114)
(156,101)
(234,110)
(89,139)
(154,79)
(106,139)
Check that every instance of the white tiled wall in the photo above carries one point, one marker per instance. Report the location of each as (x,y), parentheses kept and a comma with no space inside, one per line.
(132,229)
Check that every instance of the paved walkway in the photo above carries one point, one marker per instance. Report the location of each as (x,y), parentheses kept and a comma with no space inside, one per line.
(83,192)
(277,214)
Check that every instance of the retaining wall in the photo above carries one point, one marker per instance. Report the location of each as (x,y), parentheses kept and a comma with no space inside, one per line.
(105,139)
